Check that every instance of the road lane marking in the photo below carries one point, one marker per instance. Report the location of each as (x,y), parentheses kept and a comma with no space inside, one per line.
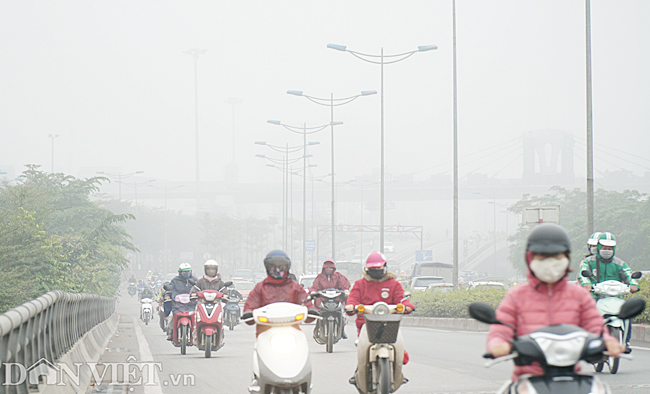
(145,354)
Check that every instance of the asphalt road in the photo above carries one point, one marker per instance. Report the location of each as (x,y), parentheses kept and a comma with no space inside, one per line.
(441,362)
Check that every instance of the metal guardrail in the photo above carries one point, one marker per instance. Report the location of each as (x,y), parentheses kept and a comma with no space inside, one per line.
(45,329)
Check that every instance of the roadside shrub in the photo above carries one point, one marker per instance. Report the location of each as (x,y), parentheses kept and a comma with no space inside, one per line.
(644,291)
(453,304)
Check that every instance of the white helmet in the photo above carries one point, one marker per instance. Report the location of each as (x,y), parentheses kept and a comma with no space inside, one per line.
(210,268)
(211,263)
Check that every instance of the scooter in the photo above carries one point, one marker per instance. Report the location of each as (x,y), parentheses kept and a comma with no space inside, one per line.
(329,329)
(233,311)
(145,310)
(557,349)
(208,330)
(132,290)
(183,325)
(609,304)
(380,350)
(281,362)
(164,308)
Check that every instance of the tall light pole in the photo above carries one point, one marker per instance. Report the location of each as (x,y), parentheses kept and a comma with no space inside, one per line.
(119,176)
(304,130)
(332,102)
(166,189)
(454,272)
(195,52)
(135,185)
(391,59)
(590,142)
(52,137)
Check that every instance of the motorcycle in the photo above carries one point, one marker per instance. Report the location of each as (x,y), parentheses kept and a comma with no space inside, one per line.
(145,310)
(164,308)
(609,304)
(132,290)
(329,329)
(380,350)
(183,325)
(208,330)
(233,311)
(281,363)
(557,349)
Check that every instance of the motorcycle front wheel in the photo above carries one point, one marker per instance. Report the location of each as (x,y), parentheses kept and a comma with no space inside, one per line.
(231,322)
(613,362)
(183,339)
(383,375)
(330,336)
(208,346)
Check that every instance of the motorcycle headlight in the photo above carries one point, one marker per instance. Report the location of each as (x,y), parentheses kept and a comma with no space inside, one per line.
(283,341)
(381,310)
(561,350)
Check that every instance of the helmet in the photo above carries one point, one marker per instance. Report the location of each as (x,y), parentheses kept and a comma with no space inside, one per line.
(184,267)
(547,238)
(210,268)
(275,257)
(375,260)
(593,240)
(329,263)
(211,263)
(606,239)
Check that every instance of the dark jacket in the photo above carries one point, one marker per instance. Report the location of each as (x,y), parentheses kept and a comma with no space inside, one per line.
(209,284)
(180,285)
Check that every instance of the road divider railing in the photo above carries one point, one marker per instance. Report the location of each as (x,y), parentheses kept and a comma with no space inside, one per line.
(34,335)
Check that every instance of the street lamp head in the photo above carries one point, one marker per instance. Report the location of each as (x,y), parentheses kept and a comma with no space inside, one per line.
(336,123)
(368,92)
(313,165)
(260,142)
(99,172)
(295,92)
(139,172)
(260,156)
(424,48)
(337,47)
(307,156)
(313,143)
(271,165)
(276,122)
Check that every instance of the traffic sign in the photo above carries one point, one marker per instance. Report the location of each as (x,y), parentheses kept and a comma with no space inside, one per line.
(424,255)
(310,245)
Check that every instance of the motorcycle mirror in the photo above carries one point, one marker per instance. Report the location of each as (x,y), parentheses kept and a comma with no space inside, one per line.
(483,313)
(637,275)
(191,281)
(586,274)
(631,308)
(167,287)
(227,284)
(407,295)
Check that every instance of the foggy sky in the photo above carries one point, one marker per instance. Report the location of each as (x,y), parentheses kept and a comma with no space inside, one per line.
(112,80)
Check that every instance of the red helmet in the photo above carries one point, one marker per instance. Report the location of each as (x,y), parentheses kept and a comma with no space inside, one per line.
(375,260)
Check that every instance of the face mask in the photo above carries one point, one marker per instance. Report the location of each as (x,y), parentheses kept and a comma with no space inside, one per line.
(278,272)
(606,254)
(186,274)
(549,270)
(376,274)
(593,250)
(211,272)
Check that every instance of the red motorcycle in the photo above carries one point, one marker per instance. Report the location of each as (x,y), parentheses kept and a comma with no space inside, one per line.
(183,325)
(208,331)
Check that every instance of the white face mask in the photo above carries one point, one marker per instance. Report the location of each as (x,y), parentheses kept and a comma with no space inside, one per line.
(606,254)
(549,270)
(593,250)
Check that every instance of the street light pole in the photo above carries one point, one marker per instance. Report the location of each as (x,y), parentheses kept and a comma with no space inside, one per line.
(120,177)
(392,59)
(590,142)
(52,136)
(304,200)
(454,275)
(195,52)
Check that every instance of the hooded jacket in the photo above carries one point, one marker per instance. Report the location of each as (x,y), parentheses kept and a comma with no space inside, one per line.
(534,305)
(209,283)
(272,290)
(180,285)
(334,281)
(368,291)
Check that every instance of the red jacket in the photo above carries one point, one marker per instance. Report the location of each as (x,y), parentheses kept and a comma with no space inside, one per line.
(367,291)
(534,305)
(272,290)
(334,281)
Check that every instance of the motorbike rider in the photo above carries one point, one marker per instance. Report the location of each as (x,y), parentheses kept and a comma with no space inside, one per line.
(164,298)
(276,287)
(330,279)
(146,293)
(546,299)
(592,244)
(180,285)
(132,280)
(605,266)
(141,285)
(376,285)
(211,279)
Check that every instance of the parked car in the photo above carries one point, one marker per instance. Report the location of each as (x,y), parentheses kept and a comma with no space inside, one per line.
(429,268)
(485,285)
(421,283)
(306,281)
(242,274)
(244,287)
(441,287)
(259,276)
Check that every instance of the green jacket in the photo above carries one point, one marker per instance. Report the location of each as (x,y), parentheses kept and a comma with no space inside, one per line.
(608,271)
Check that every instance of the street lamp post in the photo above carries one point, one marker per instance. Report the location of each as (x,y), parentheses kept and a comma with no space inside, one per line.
(391,59)
(135,185)
(590,141)
(195,52)
(331,103)
(52,137)
(119,176)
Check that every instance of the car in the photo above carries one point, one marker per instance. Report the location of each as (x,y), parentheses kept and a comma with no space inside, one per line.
(353,270)
(441,287)
(421,283)
(430,268)
(485,285)
(243,287)
(389,247)
(242,274)
(306,280)
(259,276)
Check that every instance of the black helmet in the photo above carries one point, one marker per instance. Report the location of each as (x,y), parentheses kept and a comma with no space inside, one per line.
(548,238)
(276,256)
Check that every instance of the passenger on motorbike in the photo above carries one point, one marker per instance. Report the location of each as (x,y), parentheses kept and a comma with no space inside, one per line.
(141,285)
(605,266)
(330,279)
(592,244)
(276,287)
(546,299)
(180,285)
(211,279)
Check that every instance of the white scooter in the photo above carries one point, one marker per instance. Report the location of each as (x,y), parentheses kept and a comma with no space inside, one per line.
(145,310)
(610,301)
(380,350)
(281,362)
